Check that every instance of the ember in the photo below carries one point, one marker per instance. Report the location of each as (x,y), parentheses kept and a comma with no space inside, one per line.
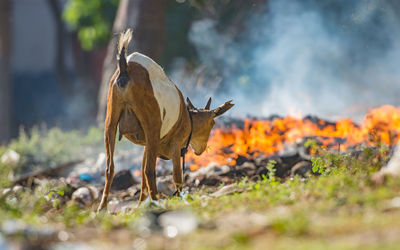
(267,137)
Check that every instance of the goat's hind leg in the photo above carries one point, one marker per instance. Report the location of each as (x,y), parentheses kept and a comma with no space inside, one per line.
(143,189)
(113,113)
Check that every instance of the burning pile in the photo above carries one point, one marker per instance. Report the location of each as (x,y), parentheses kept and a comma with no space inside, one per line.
(255,137)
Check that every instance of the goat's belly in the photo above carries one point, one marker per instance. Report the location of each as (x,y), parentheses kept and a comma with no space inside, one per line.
(130,127)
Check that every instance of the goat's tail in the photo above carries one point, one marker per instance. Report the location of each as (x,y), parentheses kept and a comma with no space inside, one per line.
(123,43)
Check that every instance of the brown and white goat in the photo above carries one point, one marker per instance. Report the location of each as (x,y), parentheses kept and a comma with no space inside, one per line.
(150,110)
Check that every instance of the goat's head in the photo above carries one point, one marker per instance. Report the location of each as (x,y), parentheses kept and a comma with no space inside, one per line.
(203,122)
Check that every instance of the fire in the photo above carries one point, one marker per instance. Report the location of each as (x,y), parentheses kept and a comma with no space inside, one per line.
(270,136)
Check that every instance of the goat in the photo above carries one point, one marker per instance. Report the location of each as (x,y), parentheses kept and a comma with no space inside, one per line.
(149,110)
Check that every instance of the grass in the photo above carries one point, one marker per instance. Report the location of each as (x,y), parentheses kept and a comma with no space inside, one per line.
(43,148)
(339,209)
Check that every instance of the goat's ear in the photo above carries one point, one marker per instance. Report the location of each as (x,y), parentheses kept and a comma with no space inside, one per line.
(223,108)
(207,107)
(189,103)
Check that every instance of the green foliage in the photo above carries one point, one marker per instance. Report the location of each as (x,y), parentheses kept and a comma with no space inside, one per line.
(369,158)
(271,170)
(92,19)
(294,225)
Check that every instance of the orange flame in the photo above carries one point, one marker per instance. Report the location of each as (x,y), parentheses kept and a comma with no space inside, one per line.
(268,137)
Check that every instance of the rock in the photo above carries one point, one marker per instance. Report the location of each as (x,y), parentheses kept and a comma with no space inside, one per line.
(230,189)
(123,179)
(246,169)
(18,189)
(177,222)
(393,204)
(155,207)
(262,161)
(165,185)
(262,171)
(391,169)
(85,196)
(301,168)
(34,237)
(213,170)
(290,157)
(101,161)
(3,243)
(11,158)
(71,245)
(163,168)
(6,191)
(241,159)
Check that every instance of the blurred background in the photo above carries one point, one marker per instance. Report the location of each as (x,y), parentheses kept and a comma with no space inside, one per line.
(332,58)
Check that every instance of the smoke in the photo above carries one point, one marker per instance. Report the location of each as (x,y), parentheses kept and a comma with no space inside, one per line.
(329,58)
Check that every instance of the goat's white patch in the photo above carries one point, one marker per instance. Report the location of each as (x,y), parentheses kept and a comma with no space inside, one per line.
(164,90)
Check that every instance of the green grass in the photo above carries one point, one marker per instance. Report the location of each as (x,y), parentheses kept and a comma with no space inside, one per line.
(339,209)
(43,148)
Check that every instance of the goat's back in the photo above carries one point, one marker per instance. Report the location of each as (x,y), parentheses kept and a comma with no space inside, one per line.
(164,91)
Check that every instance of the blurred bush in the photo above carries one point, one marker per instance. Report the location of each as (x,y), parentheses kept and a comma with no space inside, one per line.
(92,20)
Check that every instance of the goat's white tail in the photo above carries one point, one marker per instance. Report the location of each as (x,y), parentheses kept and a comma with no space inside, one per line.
(123,43)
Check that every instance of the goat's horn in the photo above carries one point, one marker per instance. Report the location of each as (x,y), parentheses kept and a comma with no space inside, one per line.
(207,107)
(223,108)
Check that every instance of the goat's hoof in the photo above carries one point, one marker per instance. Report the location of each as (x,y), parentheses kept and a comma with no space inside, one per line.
(101,209)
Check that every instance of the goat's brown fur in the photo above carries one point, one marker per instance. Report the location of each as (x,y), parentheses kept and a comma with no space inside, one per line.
(132,106)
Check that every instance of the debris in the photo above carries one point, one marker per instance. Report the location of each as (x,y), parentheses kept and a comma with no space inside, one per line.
(177,222)
(86,177)
(85,196)
(246,169)
(11,158)
(123,179)
(392,168)
(17,189)
(36,238)
(63,235)
(139,244)
(165,185)
(230,189)
(393,204)
(71,245)
(45,171)
(301,168)
(3,243)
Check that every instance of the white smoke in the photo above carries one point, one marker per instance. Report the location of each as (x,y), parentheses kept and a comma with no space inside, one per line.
(302,58)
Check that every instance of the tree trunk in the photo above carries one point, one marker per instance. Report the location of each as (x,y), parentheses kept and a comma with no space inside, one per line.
(61,38)
(147,18)
(5,79)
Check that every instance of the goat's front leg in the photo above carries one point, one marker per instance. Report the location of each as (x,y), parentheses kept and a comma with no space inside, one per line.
(113,113)
(177,172)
